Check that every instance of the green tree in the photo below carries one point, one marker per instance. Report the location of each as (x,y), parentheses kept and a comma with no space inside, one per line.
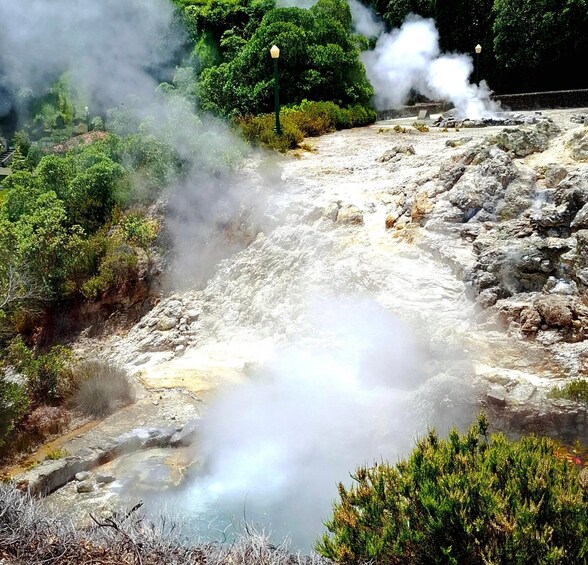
(91,195)
(22,191)
(41,247)
(55,172)
(319,60)
(534,41)
(395,12)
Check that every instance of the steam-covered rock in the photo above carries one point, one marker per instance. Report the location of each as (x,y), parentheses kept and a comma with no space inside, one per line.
(400,149)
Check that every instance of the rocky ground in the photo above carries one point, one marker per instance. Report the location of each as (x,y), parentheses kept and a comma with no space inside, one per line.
(476,237)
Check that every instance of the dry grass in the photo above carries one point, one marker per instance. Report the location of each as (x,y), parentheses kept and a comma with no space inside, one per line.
(28,536)
(103,389)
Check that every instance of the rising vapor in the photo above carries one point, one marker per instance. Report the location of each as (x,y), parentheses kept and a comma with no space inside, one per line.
(409,59)
(116,53)
(354,391)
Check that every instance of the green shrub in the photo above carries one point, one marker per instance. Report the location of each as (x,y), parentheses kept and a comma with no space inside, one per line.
(49,376)
(259,130)
(138,230)
(308,119)
(14,405)
(576,390)
(118,269)
(56,454)
(467,499)
(103,388)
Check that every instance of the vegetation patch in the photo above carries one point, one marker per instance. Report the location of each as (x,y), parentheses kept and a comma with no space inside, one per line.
(103,389)
(307,119)
(29,535)
(471,498)
(576,390)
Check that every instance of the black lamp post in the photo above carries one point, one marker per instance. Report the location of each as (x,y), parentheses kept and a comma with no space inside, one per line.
(275,53)
(478,50)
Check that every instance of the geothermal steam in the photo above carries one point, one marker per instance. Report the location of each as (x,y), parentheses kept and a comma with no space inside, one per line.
(409,59)
(274,448)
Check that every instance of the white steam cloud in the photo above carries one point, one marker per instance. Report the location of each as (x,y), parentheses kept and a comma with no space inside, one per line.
(409,58)
(111,48)
(274,448)
(365,21)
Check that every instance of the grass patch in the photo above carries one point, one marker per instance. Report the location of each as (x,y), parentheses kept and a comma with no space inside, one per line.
(103,389)
(420,126)
(576,390)
(30,535)
(56,454)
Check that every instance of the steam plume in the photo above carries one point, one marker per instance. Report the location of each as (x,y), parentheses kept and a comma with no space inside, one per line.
(409,58)
(365,21)
(354,393)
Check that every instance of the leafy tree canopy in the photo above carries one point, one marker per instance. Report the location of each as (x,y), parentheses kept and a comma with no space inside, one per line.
(319,60)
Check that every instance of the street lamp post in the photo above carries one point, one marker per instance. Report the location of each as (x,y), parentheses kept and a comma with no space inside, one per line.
(478,50)
(275,53)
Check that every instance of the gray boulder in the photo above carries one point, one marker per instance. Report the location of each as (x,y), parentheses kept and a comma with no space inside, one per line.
(187,435)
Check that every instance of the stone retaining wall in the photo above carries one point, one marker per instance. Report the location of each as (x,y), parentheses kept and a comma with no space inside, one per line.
(544,100)
(524,101)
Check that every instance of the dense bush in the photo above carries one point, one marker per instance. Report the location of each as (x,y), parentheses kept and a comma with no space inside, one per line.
(14,405)
(45,421)
(260,130)
(467,499)
(304,120)
(103,388)
(49,376)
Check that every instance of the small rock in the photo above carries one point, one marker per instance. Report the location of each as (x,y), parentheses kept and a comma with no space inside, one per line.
(166,323)
(554,174)
(530,320)
(391,219)
(180,348)
(193,314)
(187,435)
(82,476)
(555,310)
(331,212)
(458,142)
(496,397)
(350,215)
(103,479)
(403,148)
(85,487)
(522,393)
